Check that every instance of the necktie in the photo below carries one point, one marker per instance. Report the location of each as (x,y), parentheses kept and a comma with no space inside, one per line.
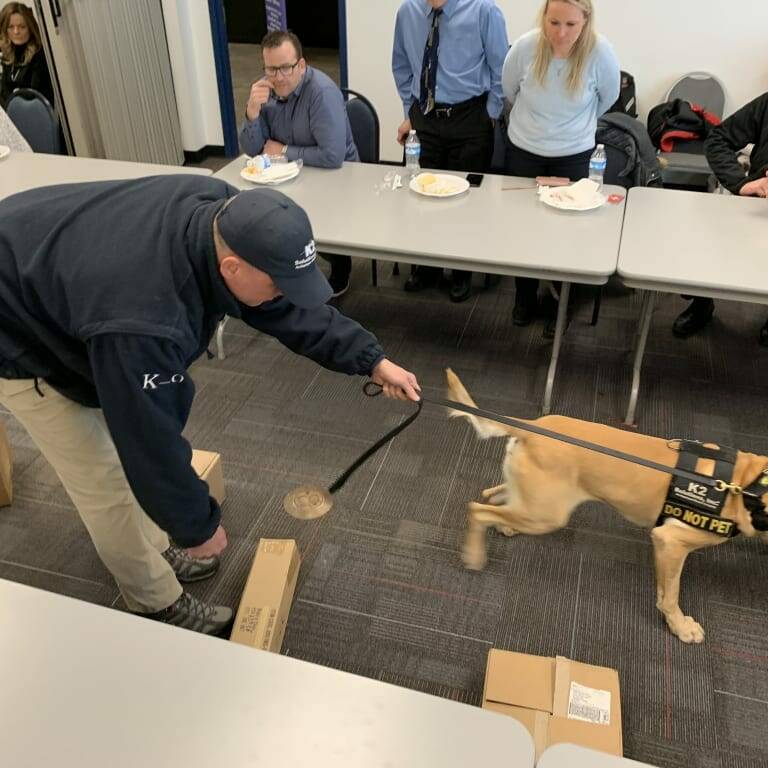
(429,65)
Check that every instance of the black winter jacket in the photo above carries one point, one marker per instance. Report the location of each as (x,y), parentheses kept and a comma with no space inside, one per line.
(747,126)
(34,74)
(110,290)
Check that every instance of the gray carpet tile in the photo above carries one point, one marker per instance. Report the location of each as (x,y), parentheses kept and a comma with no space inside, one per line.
(48,537)
(102,593)
(382,591)
(372,643)
(739,651)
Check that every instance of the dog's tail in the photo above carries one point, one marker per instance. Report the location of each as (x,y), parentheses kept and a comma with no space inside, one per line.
(484,427)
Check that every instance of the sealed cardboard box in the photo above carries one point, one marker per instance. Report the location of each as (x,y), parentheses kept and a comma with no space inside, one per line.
(207,465)
(6,466)
(268,594)
(557,700)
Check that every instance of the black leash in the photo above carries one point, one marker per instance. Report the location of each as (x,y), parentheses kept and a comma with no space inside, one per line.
(368,388)
(371,389)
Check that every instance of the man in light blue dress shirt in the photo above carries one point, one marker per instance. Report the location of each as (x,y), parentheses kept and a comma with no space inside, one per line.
(299,112)
(447,60)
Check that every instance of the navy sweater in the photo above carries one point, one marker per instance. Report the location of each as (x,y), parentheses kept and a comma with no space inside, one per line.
(110,290)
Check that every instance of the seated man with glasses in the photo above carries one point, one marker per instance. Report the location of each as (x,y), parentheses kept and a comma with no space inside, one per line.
(299,112)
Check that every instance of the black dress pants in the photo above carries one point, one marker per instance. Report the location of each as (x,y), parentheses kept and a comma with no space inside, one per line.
(455,137)
(518,162)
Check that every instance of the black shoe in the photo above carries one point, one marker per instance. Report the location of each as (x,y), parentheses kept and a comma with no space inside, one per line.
(188,568)
(524,314)
(551,326)
(339,284)
(190,613)
(693,318)
(461,289)
(421,278)
(764,335)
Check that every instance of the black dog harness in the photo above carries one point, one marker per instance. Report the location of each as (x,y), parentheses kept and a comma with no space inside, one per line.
(699,504)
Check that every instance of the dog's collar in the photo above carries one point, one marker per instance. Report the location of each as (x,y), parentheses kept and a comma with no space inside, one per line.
(753,500)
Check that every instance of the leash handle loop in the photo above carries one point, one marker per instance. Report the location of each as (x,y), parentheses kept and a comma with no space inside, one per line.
(372,389)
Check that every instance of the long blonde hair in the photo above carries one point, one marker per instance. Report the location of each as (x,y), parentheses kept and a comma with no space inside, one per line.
(580,52)
(7,52)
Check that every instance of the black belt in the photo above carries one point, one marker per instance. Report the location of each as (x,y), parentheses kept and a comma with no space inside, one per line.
(446,111)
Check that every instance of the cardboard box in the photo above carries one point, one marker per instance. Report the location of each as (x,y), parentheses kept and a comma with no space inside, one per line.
(6,468)
(557,700)
(268,594)
(207,465)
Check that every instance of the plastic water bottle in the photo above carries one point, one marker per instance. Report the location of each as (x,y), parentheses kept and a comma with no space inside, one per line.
(412,154)
(262,162)
(597,164)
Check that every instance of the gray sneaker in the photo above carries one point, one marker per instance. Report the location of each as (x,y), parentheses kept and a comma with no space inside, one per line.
(190,613)
(188,568)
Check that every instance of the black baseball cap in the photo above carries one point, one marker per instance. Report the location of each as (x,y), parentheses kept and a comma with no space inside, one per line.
(273,234)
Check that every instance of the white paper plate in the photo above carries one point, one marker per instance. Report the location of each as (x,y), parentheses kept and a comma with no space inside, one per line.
(260,179)
(571,206)
(4,151)
(460,185)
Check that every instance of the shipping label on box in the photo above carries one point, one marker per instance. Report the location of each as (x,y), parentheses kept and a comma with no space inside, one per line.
(266,602)
(6,469)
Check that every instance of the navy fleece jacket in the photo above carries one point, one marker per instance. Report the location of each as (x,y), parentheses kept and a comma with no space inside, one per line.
(110,290)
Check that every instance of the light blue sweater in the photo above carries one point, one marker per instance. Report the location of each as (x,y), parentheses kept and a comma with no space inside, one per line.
(548,120)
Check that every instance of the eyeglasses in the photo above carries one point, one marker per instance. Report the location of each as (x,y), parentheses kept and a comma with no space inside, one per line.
(283,69)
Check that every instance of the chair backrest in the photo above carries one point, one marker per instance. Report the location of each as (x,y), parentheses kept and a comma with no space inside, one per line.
(365,125)
(700,88)
(36,120)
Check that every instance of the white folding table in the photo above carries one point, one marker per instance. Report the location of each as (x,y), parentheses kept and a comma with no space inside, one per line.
(82,686)
(691,243)
(572,756)
(21,171)
(488,229)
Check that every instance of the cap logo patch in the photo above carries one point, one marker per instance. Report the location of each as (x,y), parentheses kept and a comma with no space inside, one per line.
(310,251)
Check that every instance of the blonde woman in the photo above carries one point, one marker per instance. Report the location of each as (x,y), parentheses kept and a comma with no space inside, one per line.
(21,53)
(559,78)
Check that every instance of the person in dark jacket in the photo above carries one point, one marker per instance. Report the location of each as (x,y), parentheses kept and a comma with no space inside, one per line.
(747,126)
(108,292)
(21,54)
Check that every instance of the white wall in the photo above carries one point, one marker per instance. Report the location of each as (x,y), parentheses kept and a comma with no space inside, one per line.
(656,40)
(188,29)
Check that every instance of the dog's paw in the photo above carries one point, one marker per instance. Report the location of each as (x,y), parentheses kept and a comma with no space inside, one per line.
(689,630)
(506,530)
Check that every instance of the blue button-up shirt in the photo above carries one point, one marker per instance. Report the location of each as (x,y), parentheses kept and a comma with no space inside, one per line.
(473,44)
(312,121)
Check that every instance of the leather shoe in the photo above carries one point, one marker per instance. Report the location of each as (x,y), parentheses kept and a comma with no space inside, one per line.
(421,278)
(523,314)
(693,318)
(461,289)
(764,335)
(551,326)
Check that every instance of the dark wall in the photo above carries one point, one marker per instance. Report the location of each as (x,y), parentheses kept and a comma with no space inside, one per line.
(316,22)
(246,20)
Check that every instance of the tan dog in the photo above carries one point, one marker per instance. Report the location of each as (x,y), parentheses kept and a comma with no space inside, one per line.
(545,480)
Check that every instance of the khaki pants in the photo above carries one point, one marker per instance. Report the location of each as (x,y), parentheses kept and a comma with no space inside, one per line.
(77,443)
